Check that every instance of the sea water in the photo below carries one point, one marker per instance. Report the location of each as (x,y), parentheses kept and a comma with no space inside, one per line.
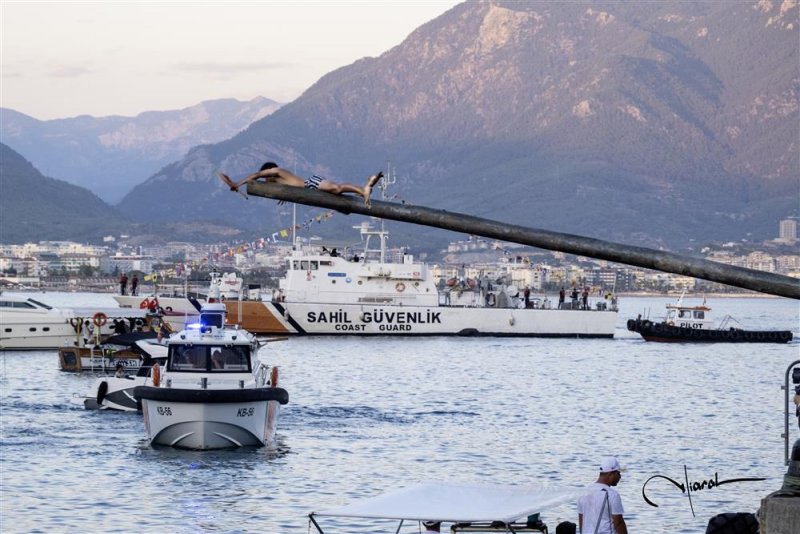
(370,415)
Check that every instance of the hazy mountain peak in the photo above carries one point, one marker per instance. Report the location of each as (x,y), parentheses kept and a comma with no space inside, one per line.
(110,155)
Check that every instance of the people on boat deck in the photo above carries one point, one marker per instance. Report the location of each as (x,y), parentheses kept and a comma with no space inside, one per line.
(216,360)
(600,510)
(272,173)
(123,284)
(134,285)
(119,326)
(527,295)
(88,332)
(120,371)
(561,296)
(585,298)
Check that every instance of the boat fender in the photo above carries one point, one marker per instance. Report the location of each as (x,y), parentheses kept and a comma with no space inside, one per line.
(273,377)
(155,373)
(99,319)
(76,324)
(761,336)
(102,390)
(785,336)
(511,321)
(400,287)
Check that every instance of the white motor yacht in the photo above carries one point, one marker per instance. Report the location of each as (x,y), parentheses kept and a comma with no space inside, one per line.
(28,324)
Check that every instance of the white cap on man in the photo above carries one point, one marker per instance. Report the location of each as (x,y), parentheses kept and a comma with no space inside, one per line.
(609,465)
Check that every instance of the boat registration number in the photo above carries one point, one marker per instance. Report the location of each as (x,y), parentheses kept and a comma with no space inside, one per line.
(245,412)
(164,410)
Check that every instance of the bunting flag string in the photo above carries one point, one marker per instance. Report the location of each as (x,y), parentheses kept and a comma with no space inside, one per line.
(214,257)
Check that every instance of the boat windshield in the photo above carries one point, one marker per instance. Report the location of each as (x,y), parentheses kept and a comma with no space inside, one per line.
(209,359)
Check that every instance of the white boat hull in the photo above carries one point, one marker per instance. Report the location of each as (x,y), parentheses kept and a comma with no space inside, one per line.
(57,336)
(357,319)
(202,426)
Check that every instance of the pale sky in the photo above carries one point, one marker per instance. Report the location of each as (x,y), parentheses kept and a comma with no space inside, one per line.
(67,58)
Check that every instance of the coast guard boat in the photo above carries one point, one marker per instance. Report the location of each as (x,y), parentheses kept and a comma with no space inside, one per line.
(212,393)
(326,294)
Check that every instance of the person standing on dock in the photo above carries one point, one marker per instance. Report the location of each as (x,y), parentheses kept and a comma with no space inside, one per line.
(600,510)
(134,285)
(123,284)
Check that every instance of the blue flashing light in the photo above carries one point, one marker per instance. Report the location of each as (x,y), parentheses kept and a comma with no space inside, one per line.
(194,326)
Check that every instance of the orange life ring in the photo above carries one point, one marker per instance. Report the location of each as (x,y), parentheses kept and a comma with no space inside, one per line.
(400,287)
(145,304)
(156,375)
(273,378)
(99,319)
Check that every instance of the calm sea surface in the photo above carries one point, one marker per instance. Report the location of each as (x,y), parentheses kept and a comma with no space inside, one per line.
(370,415)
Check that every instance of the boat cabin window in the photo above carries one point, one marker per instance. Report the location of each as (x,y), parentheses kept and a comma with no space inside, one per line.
(209,359)
(45,306)
(699,315)
(16,304)
(683,313)
(314,265)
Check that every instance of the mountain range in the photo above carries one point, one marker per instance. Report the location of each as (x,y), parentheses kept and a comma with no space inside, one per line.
(110,155)
(660,123)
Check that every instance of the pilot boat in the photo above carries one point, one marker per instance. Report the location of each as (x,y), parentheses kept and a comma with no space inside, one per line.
(686,323)
(212,393)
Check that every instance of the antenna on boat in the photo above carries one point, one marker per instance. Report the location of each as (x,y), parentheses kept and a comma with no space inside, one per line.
(389,179)
(294,205)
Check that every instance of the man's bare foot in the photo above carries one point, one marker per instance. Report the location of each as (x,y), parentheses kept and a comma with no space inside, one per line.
(374,179)
(224,177)
(371,181)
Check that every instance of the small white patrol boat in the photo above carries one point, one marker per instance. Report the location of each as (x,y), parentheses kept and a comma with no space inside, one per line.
(213,393)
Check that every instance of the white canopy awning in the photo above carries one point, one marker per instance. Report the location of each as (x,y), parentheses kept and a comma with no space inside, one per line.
(453,502)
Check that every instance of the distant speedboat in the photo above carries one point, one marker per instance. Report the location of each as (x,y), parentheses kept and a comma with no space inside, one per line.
(116,392)
(694,324)
(212,393)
